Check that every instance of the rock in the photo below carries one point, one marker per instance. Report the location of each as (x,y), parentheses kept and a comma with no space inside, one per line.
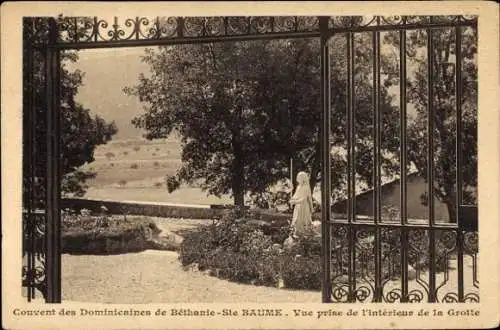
(289,243)
(317,226)
(412,273)
(166,240)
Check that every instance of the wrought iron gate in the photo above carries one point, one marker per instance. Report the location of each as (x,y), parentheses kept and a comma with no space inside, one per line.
(348,246)
(383,258)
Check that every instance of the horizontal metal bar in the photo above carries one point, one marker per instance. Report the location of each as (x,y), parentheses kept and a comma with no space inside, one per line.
(248,37)
(185,40)
(413,26)
(450,226)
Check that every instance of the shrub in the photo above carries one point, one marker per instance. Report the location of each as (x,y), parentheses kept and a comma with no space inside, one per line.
(238,250)
(233,250)
(153,154)
(302,264)
(103,234)
(122,182)
(137,148)
(156,164)
(125,153)
(109,155)
(134,166)
(158,184)
(271,200)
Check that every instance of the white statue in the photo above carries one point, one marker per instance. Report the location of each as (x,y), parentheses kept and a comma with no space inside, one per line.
(303,206)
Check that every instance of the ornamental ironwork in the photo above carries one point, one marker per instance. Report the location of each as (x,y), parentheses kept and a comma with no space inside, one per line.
(83,32)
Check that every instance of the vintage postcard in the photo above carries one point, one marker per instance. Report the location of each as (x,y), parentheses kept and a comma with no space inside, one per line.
(281,165)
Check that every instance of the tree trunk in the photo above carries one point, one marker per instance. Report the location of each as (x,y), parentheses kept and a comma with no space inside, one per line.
(238,175)
(316,167)
(294,173)
(452,212)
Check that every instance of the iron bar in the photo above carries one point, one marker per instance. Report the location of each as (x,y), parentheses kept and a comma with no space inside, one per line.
(30,126)
(325,166)
(351,173)
(403,165)
(430,164)
(187,40)
(181,39)
(371,224)
(32,196)
(458,155)
(376,164)
(53,234)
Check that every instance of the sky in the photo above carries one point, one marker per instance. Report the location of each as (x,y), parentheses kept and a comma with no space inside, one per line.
(107,72)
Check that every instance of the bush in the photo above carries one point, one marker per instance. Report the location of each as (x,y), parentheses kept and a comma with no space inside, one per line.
(233,250)
(243,250)
(137,148)
(134,166)
(122,182)
(271,200)
(302,264)
(103,234)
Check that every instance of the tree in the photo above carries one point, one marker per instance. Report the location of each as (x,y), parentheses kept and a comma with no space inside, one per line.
(244,109)
(444,103)
(80,132)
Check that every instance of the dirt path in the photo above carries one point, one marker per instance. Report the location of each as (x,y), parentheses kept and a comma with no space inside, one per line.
(157,277)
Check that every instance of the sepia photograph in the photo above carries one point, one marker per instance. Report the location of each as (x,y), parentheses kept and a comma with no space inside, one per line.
(254,159)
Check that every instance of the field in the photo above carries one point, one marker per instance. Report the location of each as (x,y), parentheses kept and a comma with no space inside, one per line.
(135,170)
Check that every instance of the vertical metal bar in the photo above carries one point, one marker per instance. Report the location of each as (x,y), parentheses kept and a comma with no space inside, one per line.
(351,199)
(430,164)
(33,140)
(376,163)
(53,233)
(28,153)
(458,155)
(325,152)
(403,164)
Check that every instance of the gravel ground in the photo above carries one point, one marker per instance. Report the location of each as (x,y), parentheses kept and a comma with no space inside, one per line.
(158,277)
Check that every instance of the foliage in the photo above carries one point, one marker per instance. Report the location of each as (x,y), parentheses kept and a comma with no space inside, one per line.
(109,155)
(242,121)
(102,233)
(233,251)
(302,264)
(80,132)
(444,105)
(271,200)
